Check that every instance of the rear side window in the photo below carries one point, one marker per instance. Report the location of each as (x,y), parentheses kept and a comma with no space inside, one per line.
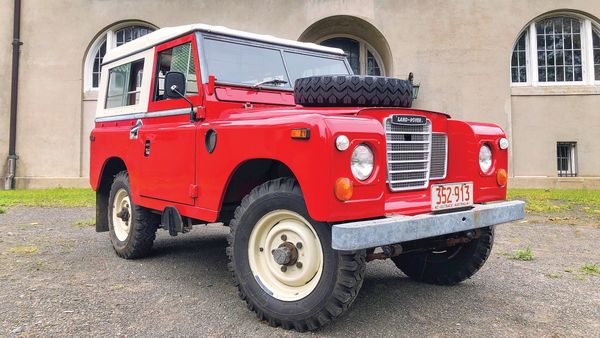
(177,59)
(124,84)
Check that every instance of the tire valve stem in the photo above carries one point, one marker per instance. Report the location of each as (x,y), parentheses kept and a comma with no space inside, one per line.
(261,249)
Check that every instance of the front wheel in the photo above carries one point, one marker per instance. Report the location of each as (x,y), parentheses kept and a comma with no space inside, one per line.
(448,266)
(283,263)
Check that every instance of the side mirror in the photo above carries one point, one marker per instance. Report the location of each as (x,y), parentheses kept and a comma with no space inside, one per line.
(174,85)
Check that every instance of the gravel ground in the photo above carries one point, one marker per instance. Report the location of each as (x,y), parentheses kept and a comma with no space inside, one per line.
(60,278)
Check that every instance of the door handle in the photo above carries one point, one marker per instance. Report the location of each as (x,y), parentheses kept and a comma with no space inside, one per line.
(134,131)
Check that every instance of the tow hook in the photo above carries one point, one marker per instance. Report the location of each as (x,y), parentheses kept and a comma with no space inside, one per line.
(387,251)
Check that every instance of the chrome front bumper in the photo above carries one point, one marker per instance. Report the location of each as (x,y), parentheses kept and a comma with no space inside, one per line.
(397,229)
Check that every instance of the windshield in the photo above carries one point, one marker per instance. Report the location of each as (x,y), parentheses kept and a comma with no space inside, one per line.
(238,63)
(302,65)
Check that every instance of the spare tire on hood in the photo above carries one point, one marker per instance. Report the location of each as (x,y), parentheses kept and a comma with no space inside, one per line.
(352,91)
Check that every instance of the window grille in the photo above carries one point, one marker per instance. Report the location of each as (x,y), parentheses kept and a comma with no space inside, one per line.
(519,60)
(596,43)
(559,50)
(566,159)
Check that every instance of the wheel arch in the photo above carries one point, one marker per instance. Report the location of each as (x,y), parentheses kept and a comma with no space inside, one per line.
(246,176)
(111,167)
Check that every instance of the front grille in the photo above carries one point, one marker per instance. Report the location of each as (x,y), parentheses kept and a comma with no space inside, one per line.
(408,155)
(439,155)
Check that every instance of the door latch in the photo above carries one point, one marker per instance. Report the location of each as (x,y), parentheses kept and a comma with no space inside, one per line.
(134,131)
(147,148)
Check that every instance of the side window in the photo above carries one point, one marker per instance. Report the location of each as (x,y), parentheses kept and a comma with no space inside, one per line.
(124,84)
(177,59)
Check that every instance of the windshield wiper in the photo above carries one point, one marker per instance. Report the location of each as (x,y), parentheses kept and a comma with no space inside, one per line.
(274,81)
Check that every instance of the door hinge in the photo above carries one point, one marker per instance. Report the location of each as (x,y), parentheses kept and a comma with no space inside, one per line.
(193,191)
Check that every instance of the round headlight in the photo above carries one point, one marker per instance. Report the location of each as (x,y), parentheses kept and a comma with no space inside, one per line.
(503,143)
(361,162)
(342,142)
(485,158)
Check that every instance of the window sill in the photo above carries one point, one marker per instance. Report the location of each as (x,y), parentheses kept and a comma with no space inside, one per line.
(565,90)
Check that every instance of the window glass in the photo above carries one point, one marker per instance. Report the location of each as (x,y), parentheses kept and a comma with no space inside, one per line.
(352,49)
(566,159)
(302,65)
(121,37)
(130,33)
(177,59)
(596,41)
(372,65)
(519,60)
(559,50)
(96,68)
(238,63)
(124,84)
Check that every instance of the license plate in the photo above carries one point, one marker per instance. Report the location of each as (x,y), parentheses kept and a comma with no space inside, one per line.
(451,196)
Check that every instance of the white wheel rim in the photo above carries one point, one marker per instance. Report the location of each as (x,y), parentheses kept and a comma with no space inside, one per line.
(298,281)
(120,225)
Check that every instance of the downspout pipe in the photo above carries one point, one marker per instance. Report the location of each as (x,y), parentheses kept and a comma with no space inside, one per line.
(9,181)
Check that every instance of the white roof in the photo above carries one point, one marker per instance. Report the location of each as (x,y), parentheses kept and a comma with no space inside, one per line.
(168,33)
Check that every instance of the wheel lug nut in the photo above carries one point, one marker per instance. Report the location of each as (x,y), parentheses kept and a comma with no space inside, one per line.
(284,238)
(299,245)
(299,265)
(284,268)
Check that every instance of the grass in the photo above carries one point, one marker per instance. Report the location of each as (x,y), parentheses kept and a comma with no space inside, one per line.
(23,249)
(556,200)
(590,269)
(59,197)
(85,223)
(522,254)
(553,275)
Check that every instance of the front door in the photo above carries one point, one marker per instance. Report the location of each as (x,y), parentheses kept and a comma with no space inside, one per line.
(167,136)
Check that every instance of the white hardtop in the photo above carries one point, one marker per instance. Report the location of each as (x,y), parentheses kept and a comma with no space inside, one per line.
(169,33)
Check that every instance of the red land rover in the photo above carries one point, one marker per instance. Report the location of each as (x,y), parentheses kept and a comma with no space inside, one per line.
(315,170)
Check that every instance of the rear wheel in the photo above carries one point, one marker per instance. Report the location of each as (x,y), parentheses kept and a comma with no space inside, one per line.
(448,266)
(282,261)
(132,228)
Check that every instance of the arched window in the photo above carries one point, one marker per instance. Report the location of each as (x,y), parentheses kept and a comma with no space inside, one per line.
(362,57)
(112,38)
(557,50)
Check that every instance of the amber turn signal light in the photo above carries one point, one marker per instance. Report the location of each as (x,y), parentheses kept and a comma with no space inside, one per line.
(501,177)
(301,133)
(343,189)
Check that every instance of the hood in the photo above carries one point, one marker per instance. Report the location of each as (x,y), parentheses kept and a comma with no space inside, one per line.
(268,112)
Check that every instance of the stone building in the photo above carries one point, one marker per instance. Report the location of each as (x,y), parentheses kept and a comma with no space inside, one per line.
(532,67)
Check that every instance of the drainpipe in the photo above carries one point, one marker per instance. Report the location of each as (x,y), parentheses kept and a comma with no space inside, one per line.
(9,181)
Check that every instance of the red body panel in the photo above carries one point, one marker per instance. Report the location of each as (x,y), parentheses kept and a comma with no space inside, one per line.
(180,172)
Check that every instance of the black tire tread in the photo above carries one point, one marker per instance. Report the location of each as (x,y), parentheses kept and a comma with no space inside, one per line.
(352,91)
(350,274)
